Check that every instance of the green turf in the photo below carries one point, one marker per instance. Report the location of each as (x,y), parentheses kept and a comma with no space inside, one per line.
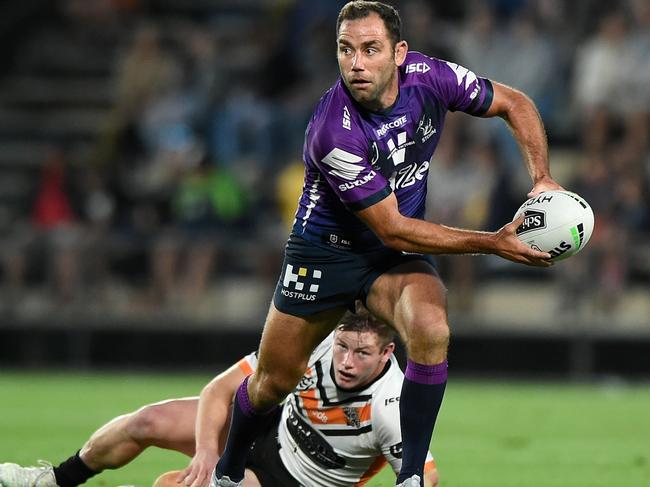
(488,434)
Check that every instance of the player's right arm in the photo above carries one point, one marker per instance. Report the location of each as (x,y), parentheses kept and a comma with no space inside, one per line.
(413,235)
(342,158)
(212,423)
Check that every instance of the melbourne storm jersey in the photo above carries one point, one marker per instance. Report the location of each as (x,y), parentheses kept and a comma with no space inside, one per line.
(331,437)
(354,157)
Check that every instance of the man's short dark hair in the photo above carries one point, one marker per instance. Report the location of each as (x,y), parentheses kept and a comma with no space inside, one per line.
(359,9)
(362,322)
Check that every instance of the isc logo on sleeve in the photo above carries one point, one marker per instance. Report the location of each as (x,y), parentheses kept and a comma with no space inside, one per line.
(417,68)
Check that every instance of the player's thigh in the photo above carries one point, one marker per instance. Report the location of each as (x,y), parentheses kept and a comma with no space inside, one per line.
(409,296)
(288,341)
(171,423)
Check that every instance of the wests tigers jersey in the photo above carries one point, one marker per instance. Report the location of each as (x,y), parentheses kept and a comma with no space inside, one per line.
(331,437)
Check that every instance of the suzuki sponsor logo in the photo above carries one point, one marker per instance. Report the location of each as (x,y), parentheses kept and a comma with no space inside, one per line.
(393,124)
(417,68)
(359,182)
(298,281)
(533,220)
(344,164)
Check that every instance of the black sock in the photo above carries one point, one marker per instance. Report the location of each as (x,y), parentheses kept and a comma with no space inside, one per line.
(72,472)
(245,426)
(422,392)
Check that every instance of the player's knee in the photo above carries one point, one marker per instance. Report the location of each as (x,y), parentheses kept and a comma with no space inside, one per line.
(147,424)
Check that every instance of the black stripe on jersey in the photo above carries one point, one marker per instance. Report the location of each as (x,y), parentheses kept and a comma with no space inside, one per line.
(487,101)
(347,432)
(370,200)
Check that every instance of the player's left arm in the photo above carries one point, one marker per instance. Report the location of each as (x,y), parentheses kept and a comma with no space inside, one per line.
(212,422)
(523,119)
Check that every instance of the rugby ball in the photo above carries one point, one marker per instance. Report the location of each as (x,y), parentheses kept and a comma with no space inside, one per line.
(557,222)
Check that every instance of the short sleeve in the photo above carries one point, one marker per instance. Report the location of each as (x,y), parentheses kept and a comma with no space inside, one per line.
(460,89)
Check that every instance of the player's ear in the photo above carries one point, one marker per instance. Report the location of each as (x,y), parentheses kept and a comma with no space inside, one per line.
(388,351)
(401,49)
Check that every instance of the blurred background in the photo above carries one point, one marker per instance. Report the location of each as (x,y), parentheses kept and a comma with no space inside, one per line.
(150,166)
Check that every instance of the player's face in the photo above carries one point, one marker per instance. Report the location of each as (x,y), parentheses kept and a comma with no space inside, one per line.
(358,358)
(368,61)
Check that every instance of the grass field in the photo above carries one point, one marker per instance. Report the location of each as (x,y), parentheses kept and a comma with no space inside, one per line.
(489,434)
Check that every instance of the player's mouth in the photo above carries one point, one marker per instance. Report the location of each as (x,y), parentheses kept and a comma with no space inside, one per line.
(346,377)
(360,83)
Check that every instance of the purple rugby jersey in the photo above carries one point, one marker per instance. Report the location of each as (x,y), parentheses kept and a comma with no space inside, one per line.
(354,157)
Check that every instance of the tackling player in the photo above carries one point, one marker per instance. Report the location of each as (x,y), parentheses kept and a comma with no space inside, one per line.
(338,428)
(359,231)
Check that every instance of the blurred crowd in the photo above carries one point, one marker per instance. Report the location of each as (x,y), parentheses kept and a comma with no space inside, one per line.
(195,173)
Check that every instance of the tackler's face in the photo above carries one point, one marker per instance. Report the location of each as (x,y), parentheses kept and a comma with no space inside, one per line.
(358,358)
(368,62)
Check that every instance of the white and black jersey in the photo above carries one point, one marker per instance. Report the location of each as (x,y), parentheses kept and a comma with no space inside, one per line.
(333,437)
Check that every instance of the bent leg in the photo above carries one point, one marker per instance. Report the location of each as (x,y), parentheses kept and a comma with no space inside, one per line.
(167,424)
(287,342)
(412,298)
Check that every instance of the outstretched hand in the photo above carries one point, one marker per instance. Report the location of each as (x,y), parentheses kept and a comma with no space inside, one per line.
(199,471)
(511,248)
(544,184)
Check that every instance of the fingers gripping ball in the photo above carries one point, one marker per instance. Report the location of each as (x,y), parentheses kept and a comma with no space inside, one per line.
(557,222)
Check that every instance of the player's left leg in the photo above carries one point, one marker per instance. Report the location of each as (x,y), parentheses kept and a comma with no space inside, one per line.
(412,298)
(286,344)
(168,424)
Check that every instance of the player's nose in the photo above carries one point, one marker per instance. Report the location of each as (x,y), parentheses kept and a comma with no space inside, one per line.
(357,63)
(347,361)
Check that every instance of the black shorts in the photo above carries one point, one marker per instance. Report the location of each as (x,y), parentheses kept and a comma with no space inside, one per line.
(264,458)
(316,277)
